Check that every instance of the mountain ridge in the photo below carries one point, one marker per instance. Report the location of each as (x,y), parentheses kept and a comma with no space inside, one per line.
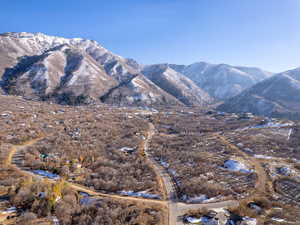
(88,61)
(177,85)
(222,81)
(277,96)
(79,71)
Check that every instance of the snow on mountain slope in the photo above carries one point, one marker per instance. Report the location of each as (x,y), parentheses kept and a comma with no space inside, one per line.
(278,96)
(222,81)
(140,91)
(14,45)
(39,66)
(176,84)
(70,71)
(63,71)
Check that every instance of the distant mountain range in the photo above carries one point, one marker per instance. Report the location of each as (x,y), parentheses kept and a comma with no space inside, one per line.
(176,85)
(222,81)
(78,71)
(278,96)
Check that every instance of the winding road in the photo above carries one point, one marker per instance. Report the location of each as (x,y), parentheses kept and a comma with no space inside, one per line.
(169,201)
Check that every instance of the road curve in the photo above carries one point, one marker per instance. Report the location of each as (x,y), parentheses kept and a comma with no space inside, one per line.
(175,208)
(14,157)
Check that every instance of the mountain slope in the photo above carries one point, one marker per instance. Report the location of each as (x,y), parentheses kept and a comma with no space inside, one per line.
(176,85)
(222,81)
(140,91)
(15,45)
(278,96)
(72,71)
(61,72)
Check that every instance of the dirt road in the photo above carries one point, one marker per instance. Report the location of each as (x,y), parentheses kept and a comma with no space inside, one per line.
(261,181)
(176,208)
(170,200)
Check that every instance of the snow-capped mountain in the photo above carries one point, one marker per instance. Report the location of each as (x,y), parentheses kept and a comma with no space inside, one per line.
(176,84)
(278,96)
(222,81)
(72,71)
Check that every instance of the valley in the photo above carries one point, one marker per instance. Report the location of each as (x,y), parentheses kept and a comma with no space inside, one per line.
(89,137)
(133,165)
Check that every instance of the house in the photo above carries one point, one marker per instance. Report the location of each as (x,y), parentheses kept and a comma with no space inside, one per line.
(127,150)
(246,116)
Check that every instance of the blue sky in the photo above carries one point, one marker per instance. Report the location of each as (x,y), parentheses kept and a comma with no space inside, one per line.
(262,33)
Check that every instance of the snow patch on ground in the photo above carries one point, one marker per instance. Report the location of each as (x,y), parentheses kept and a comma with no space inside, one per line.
(142,194)
(263,157)
(269,124)
(204,220)
(285,171)
(164,164)
(274,125)
(193,220)
(46,174)
(217,217)
(138,97)
(173,172)
(127,149)
(236,166)
(87,201)
(289,134)
(9,210)
(198,199)
(278,219)
(138,84)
